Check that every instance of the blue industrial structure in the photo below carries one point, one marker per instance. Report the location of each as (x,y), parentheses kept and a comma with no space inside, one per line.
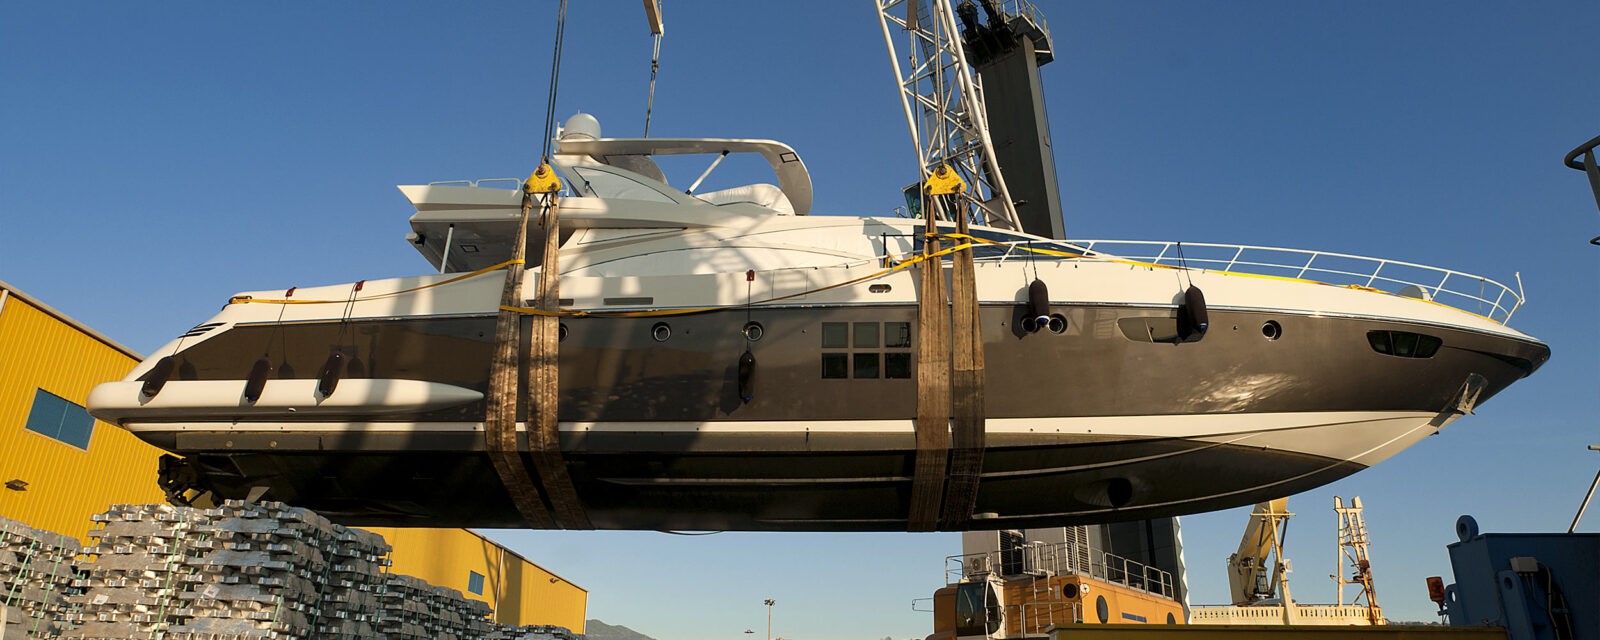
(1538,586)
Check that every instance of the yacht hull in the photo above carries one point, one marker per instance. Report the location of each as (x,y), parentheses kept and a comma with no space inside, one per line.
(1102,422)
(852,476)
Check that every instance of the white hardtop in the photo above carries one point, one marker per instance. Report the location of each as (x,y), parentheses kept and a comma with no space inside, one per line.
(634,155)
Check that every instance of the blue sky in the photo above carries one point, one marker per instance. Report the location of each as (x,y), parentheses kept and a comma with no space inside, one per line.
(155,159)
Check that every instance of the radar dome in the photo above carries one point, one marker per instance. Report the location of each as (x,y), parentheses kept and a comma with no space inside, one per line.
(581,126)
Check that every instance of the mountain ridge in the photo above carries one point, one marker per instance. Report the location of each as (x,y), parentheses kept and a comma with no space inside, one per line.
(598,630)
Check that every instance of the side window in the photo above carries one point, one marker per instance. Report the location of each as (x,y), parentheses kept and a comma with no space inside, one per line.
(60,419)
(866,350)
(1404,344)
(475,583)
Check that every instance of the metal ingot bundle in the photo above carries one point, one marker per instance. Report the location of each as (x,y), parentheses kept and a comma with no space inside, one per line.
(243,571)
(532,632)
(414,609)
(274,571)
(137,563)
(36,576)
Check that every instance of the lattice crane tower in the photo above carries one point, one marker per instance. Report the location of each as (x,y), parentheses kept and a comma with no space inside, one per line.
(1353,553)
(949,125)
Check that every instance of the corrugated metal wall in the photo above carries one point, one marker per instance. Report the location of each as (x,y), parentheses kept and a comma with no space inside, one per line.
(519,591)
(65,484)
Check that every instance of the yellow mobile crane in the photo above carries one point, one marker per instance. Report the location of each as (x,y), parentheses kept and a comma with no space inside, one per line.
(1258,571)
(1258,574)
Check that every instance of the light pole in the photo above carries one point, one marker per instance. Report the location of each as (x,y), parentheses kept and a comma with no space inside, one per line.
(769,602)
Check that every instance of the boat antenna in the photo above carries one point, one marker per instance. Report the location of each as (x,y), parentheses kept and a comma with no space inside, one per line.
(652,10)
(555,81)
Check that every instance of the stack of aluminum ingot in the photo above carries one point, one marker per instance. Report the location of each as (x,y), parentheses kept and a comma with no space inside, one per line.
(405,614)
(273,571)
(239,572)
(532,632)
(414,609)
(140,562)
(36,574)
(350,602)
(245,571)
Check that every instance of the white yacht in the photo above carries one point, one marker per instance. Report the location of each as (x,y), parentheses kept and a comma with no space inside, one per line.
(1312,366)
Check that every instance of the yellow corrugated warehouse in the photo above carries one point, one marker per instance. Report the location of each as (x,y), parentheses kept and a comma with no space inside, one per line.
(481,569)
(59,466)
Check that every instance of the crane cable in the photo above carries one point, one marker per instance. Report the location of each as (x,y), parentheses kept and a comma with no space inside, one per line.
(655,66)
(543,371)
(555,82)
(510,457)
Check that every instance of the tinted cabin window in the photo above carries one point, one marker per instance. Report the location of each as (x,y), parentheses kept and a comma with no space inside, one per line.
(1149,329)
(897,365)
(866,365)
(977,613)
(872,350)
(835,365)
(866,334)
(1404,344)
(835,335)
(897,335)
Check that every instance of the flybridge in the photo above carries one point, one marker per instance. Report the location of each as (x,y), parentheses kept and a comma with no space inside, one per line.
(635,154)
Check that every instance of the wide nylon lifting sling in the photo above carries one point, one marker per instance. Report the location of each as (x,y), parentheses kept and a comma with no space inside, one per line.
(950,375)
(500,421)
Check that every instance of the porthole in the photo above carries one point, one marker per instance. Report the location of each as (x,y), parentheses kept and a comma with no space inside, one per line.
(661,331)
(753,331)
(1058,323)
(1102,610)
(878,288)
(561,332)
(1271,330)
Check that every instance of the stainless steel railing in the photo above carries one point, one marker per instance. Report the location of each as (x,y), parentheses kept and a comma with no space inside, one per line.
(1467,292)
(1040,559)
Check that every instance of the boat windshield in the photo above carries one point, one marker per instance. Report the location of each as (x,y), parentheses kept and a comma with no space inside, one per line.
(618,184)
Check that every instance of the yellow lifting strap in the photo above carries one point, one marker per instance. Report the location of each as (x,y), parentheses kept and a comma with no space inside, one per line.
(944,182)
(542,180)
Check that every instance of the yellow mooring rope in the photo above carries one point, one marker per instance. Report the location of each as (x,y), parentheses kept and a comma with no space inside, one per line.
(968,242)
